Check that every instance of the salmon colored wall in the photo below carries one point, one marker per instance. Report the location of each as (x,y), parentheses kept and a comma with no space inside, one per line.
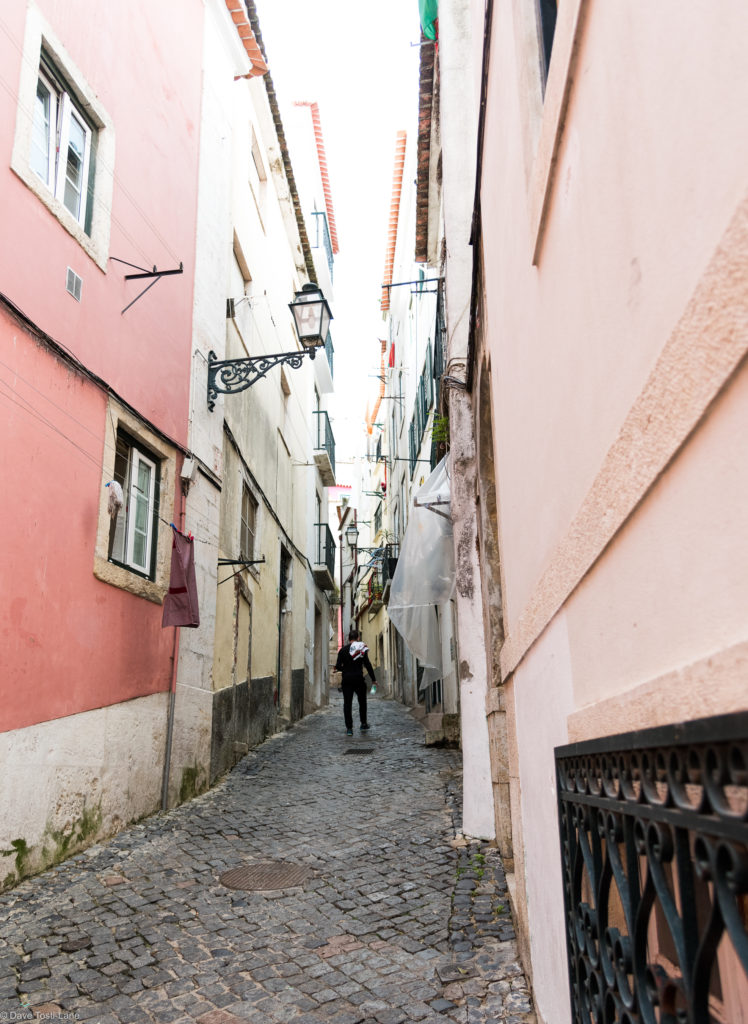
(143,61)
(69,641)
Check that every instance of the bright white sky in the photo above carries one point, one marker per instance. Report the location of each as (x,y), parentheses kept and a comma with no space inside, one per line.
(356,61)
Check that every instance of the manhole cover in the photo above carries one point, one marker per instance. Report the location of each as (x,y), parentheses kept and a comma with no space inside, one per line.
(274,874)
(360,750)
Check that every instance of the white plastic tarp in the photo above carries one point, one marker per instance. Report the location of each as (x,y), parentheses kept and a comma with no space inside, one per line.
(425,574)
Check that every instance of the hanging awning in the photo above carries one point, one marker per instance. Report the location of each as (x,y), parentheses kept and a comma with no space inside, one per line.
(425,575)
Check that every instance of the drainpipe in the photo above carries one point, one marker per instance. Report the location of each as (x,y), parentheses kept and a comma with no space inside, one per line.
(172,695)
(170,726)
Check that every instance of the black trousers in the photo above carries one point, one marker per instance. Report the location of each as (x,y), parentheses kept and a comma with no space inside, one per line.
(351,686)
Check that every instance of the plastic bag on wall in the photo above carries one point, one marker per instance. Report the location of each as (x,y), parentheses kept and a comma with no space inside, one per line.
(425,575)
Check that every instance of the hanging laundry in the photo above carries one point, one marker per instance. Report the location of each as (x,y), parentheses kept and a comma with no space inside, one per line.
(180,603)
(116,499)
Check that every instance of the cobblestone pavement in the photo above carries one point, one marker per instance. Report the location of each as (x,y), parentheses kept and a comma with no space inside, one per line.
(395,922)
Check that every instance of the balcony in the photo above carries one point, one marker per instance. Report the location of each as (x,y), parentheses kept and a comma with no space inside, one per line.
(329,351)
(323,367)
(323,566)
(389,565)
(324,448)
(654,847)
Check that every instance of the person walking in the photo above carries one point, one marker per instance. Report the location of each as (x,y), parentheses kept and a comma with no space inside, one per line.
(353,658)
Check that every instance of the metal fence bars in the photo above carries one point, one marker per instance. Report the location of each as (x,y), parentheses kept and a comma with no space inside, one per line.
(325,553)
(654,846)
(324,441)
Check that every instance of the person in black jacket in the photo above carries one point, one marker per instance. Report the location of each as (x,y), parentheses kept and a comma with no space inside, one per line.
(353,658)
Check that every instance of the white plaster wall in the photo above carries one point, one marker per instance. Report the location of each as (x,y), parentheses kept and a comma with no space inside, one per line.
(458,125)
(104,765)
(543,700)
(193,708)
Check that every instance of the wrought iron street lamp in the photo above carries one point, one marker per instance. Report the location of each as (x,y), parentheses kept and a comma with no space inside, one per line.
(312,317)
(351,535)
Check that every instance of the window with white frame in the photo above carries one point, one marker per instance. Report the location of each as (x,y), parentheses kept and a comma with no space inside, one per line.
(61,143)
(132,536)
(248,524)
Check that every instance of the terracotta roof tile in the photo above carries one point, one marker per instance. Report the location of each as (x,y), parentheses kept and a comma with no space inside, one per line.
(397,185)
(322,158)
(239,16)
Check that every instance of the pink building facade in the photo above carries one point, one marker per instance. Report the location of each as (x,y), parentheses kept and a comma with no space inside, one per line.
(600,481)
(99,165)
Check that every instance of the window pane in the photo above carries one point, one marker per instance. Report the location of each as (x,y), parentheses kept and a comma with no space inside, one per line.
(74,167)
(122,476)
(142,491)
(40,134)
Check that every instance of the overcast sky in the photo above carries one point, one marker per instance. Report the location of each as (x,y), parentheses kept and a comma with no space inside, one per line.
(356,61)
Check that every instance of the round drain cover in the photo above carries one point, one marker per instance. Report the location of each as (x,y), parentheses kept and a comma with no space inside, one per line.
(274,874)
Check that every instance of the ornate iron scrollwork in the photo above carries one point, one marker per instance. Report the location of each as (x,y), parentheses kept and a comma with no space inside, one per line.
(229,376)
(654,845)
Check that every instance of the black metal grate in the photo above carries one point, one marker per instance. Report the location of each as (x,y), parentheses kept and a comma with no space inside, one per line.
(654,846)
(359,750)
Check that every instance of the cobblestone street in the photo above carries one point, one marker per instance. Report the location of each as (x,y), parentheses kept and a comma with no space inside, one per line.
(395,920)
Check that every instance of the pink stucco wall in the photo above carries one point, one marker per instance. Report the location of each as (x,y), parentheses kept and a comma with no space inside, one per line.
(70,642)
(143,61)
(619,393)
(638,204)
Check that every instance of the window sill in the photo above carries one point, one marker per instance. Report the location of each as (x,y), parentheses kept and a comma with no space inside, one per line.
(118,576)
(60,212)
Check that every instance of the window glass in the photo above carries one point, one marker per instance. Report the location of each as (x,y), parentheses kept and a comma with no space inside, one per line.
(61,142)
(132,533)
(41,140)
(74,169)
(141,501)
(248,525)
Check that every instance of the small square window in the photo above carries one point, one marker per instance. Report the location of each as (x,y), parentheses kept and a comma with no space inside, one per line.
(132,535)
(61,143)
(248,525)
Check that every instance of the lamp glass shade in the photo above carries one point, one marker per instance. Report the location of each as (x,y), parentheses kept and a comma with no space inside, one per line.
(351,535)
(311,315)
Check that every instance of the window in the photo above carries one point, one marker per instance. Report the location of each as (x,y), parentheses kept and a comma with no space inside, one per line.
(61,143)
(249,525)
(548,11)
(64,141)
(132,535)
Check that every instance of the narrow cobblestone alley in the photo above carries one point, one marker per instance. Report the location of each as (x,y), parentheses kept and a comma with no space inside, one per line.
(394,922)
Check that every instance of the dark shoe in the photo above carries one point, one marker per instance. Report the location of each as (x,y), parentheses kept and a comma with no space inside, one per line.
(365,726)
(349,732)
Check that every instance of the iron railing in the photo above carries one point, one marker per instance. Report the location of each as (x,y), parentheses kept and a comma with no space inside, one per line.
(323,237)
(440,331)
(329,350)
(325,553)
(654,846)
(324,438)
